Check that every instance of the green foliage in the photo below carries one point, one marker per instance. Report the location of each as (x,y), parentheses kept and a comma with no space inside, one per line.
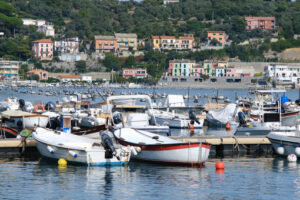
(111,62)
(129,62)
(80,66)
(33,77)
(284,44)
(258,74)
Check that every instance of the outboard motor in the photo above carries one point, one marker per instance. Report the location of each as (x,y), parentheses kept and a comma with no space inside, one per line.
(21,104)
(107,143)
(50,106)
(297,102)
(242,119)
(117,118)
(192,116)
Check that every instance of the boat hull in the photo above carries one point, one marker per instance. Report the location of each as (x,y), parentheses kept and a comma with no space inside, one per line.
(178,123)
(289,143)
(30,121)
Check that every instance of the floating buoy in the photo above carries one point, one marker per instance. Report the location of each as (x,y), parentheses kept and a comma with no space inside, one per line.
(227,126)
(62,162)
(292,158)
(280,150)
(220,165)
(74,154)
(297,150)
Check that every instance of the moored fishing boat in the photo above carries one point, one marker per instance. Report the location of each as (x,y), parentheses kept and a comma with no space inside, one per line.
(161,149)
(80,149)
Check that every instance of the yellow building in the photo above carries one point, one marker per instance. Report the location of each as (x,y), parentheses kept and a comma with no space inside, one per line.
(9,69)
(156,41)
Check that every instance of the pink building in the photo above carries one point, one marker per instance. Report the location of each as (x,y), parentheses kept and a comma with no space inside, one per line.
(134,72)
(231,72)
(264,23)
(43,49)
(198,71)
(171,66)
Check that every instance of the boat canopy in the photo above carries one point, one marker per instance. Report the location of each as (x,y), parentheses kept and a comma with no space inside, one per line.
(15,113)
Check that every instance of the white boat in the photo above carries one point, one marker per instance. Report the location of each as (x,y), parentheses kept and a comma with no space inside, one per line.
(220,117)
(134,116)
(175,120)
(78,149)
(285,143)
(161,149)
(21,119)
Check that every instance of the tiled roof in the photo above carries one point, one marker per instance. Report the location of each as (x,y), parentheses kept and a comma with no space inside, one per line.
(43,41)
(259,18)
(125,35)
(104,37)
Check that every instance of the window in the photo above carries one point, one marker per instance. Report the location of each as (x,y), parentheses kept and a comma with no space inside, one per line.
(156,41)
(220,38)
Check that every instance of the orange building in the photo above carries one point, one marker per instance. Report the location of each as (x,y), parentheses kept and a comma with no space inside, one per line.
(264,23)
(220,36)
(171,42)
(43,75)
(104,43)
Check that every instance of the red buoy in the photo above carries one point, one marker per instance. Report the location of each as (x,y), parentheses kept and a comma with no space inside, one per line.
(227,126)
(220,165)
(192,127)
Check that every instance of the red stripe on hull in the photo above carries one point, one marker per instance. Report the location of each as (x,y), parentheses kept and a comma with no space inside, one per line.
(166,147)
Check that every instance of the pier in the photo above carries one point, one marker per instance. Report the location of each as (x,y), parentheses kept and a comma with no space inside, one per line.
(224,146)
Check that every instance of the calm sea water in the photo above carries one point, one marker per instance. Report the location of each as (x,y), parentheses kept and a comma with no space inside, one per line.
(243,178)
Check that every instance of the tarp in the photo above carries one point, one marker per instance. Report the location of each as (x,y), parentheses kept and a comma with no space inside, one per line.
(224,115)
(174,101)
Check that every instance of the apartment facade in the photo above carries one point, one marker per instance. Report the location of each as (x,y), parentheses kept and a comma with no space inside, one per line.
(105,43)
(134,72)
(43,49)
(9,69)
(171,42)
(68,45)
(181,67)
(283,73)
(126,41)
(41,25)
(220,36)
(264,23)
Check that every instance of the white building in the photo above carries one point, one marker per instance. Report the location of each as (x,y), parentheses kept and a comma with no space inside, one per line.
(68,45)
(166,2)
(283,73)
(41,25)
(86,78)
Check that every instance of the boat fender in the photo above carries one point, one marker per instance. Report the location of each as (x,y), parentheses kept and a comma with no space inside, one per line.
(280,150)
(292,158)
(297,150)
(50,149)
(72,153)
(138,149)
(133,150)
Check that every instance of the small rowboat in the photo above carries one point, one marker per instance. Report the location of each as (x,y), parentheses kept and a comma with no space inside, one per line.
(161,149)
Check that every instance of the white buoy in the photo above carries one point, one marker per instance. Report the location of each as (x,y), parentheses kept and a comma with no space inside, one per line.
(297,150)
(280,150)
(50,149)
(292,158)
(74,154)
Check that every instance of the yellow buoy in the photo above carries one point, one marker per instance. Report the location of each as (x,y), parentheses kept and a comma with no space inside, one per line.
(62,162)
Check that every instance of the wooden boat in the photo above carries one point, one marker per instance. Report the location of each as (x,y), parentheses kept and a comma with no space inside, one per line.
(21,119)
(79,149)
(161,149)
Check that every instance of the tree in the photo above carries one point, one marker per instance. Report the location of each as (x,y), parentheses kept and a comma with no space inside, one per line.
(80,66)
(130,61)
(111,62)
(214,42)
(33,77)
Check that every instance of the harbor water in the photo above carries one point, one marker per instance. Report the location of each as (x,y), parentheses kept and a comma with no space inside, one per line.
(243,178)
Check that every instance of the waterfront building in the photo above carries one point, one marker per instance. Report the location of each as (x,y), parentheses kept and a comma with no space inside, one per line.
(231,72)
(126,41)
(43,49)
(68,45)
(283,73)
(43,75)
(9,69)
(67,78)
(171,42)
(198,70)
(220,36)
(209,67)
(105,43)
(166,2)
(134,72)
(264,23)
(181,67)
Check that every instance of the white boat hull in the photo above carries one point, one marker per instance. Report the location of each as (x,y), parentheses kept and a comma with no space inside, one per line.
(28,121)
(161,149)
(178,123)
(56,145)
